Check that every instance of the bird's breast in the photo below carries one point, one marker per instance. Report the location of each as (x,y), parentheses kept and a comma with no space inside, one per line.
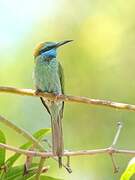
(46,76)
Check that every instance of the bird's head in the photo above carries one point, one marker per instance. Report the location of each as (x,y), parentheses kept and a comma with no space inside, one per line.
(48,49)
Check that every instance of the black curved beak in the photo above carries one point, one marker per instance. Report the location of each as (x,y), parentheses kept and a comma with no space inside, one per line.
(62,43)
(55,45)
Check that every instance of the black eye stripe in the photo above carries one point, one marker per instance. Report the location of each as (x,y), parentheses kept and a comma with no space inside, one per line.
(43,50)
(46,49)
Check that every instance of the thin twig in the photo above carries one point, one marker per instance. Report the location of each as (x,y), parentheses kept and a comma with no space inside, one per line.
(68,161)
(115,167)
(29,92)
(28,162)
(40,167)
(117,134)
(109,150)
(66,98)
(68,153)
(68,168)
(28,136)
(22,132)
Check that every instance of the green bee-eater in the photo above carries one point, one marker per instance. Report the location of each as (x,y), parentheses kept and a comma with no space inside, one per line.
(48,77)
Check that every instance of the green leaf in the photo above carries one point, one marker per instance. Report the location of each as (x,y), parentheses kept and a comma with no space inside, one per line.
(2,151)
(130,170)
(45,178)
(38,135)
(17,173)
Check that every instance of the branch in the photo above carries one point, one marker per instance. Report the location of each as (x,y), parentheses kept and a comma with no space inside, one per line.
(29,92)
(29,137)
(67,167)
(21,131)
(66,98)
(115,167)
(67,153)
(117,134)
(43,155)
(109,150)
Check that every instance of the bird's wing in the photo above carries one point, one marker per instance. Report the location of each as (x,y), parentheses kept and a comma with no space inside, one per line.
(61,75)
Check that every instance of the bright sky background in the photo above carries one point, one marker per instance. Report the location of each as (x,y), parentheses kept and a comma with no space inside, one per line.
(17,18)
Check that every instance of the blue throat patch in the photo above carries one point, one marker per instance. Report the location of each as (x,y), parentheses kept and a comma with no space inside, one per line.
(49,54)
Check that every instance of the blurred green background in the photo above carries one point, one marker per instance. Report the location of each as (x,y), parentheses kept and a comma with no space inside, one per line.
(100,63)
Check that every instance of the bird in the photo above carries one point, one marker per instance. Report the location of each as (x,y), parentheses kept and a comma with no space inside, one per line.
(49,77)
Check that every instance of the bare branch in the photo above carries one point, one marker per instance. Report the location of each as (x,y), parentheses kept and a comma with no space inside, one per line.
(117,134)
(28,136)
(22,132)
(110,150)
(29,92)
(66,98)
(28,163)
(67,153)
(115,167)
(67,167)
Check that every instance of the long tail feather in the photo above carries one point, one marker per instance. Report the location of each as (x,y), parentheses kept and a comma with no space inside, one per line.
(56,114)
(57,138)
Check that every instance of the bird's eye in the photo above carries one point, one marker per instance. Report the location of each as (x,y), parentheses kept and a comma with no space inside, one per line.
(47,48)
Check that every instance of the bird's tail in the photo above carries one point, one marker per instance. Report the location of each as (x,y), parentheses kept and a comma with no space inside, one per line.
(57,137)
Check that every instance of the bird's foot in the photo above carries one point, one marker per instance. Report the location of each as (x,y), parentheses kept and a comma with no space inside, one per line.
(57,96)
(37,92)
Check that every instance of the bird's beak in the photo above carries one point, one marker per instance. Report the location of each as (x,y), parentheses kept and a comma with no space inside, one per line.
(62,43)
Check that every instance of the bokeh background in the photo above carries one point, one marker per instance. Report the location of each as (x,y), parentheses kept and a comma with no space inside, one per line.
(100,63)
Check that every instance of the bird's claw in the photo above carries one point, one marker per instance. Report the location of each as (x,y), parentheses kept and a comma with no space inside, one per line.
(37,92)
(57,96)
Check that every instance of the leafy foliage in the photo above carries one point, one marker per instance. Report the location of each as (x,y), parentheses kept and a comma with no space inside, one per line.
(38,135)
(17,173)
(7,172)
